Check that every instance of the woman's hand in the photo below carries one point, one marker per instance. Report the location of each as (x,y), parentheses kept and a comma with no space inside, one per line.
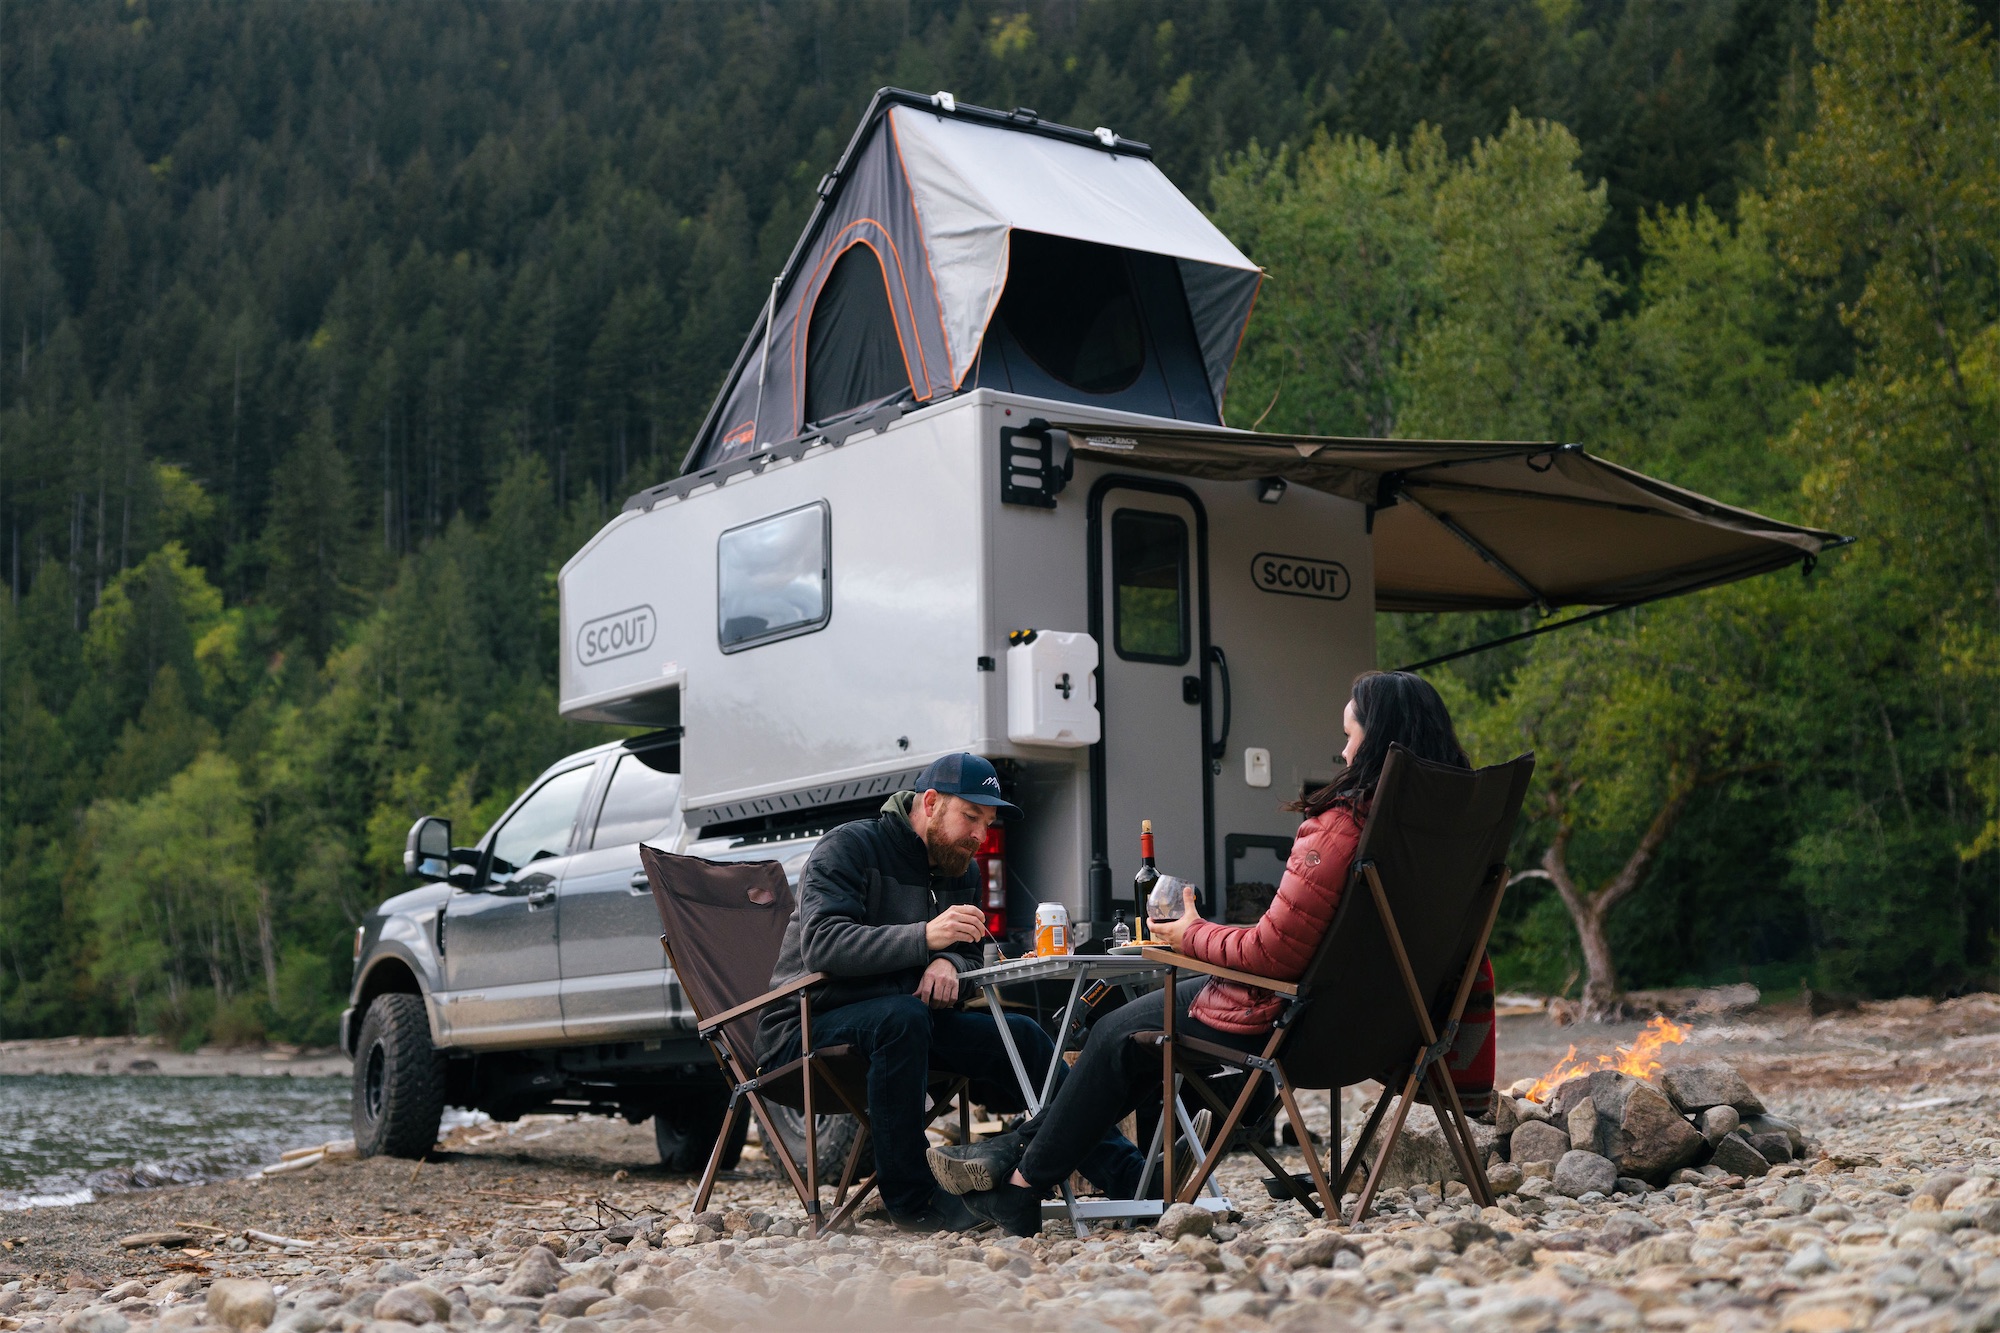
(1169,932)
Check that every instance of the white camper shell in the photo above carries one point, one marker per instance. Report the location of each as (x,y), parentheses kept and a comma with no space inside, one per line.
(967,488)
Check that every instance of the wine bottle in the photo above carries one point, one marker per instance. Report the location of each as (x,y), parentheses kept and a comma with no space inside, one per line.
(1142,883)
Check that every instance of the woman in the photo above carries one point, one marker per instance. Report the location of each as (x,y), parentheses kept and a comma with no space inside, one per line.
(1003,1180)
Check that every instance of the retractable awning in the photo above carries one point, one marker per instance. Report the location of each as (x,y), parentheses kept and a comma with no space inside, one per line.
(1464,525)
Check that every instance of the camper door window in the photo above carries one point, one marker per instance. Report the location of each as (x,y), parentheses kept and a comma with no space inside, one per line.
(1149,577)
(772,577)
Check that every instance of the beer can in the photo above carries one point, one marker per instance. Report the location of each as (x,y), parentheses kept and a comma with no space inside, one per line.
(1051,930)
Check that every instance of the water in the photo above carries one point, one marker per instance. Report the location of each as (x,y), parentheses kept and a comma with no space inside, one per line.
(69,1138)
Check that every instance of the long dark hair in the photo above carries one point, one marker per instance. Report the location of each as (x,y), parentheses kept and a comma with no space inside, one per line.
(1393,708)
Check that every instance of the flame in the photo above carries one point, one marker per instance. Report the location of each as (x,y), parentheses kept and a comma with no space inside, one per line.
(1639,1059)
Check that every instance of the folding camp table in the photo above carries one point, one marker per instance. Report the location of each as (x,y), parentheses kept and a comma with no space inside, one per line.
(1129,973)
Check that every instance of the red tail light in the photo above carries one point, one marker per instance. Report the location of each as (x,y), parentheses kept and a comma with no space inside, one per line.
(992,861)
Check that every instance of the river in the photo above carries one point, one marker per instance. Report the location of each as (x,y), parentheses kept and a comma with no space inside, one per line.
(69,1138)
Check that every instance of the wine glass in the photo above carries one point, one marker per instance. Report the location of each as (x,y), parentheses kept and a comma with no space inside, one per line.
(1166,901)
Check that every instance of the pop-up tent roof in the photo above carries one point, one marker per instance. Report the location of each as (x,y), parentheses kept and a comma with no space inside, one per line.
(894,283)
(1487,525)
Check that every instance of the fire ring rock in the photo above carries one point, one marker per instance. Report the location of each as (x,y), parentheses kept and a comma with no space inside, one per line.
(1735,1155)
(1698,1087)
(1580,1172)
(1537,1141)
(1650,1139)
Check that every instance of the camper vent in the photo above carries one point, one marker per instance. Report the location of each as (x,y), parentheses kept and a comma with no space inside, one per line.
(1035,465)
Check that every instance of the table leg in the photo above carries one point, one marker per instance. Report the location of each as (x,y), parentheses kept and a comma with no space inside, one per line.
(1062,1035)
(992,994)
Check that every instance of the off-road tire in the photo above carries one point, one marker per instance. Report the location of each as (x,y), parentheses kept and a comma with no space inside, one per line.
(836,1136)
(685,1133)
(398,1080)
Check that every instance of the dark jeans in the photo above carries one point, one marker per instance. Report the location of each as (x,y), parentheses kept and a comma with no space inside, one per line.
(904,1039)
(1114,1076)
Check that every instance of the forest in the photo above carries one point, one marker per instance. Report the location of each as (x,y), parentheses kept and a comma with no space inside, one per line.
(328,331)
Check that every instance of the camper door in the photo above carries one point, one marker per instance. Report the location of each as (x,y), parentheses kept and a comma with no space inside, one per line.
(1152,547)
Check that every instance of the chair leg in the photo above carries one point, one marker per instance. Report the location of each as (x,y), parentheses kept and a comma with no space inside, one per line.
(1305,1146)
(1367,1199)
(851,1168)
(965,1111)
(707,1186)
(1229,1123)
(1168,1091)
(775,1146)
(1363,1140)
(845,1213)
(1475,1180)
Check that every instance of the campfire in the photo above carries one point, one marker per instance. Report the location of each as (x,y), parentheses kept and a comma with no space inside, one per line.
(1638,1059)
(1625,1122)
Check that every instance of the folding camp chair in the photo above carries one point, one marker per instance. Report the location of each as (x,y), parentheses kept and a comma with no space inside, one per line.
(723,926)
(1383,994)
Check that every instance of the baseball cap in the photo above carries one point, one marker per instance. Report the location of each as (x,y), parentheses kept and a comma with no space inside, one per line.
(969,778)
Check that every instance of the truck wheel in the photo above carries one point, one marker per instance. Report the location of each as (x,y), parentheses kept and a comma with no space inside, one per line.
(836,1136)
(398,1080)
(685,1132)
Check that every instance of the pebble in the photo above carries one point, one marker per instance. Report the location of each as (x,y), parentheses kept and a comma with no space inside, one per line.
(1897,1227)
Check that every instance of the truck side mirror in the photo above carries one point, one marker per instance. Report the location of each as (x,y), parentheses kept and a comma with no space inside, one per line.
(427,850)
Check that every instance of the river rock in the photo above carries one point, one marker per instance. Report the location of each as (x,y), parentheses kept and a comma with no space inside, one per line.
(536,1274)
(1771,1124)
(1184,1219)
(573,1300)
(1734,1155)
(1698,1087)
(1320,1249)
(413,1303)
(1649,1139)
(1579,1172)
(1718,1122)
(1537,1141)
(241,1303)
(95,1320)
(1504,1177)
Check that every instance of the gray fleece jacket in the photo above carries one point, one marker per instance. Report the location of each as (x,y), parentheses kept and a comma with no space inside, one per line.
(864,898)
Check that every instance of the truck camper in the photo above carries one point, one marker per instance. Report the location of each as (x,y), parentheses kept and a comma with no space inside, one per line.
(967,487)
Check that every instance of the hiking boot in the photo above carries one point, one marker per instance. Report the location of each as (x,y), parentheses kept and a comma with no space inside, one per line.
(967,1167)
(1015,1209)
(945,1212)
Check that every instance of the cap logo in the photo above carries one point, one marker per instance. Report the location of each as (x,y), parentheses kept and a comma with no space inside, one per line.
(994,783)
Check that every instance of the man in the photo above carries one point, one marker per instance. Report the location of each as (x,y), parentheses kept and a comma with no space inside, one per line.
(886,909)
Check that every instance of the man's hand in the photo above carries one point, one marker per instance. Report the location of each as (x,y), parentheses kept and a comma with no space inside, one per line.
(1169,932)
(962,924)
(938,987)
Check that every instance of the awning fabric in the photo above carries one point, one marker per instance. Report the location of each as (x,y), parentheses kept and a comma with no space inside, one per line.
(935,189)
(1481,525)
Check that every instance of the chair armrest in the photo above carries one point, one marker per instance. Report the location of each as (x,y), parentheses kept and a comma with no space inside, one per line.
(792,987)
(1170,958)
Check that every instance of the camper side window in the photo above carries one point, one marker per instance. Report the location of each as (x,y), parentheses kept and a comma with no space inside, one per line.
(772,577)
(1149,574)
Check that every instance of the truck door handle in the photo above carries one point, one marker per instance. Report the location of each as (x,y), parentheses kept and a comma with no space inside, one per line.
(541,897)
(639,883)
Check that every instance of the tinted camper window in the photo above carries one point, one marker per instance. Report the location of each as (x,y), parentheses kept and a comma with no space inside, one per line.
(1070,305)
(853,354)
(1149,572)
(772,577)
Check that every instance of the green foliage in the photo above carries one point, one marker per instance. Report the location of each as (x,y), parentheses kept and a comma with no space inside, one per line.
(331,331)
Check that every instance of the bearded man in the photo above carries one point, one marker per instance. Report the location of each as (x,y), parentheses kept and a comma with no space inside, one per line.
(887,911)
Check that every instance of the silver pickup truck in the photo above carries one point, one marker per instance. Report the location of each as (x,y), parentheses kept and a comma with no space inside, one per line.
(525,973)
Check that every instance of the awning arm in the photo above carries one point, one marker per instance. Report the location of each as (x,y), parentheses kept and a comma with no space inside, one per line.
(1524,634)
(1480,550)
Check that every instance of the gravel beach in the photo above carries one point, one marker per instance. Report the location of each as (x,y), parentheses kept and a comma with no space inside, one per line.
(569,1225)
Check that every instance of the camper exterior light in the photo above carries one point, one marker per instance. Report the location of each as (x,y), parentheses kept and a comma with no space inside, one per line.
(1271,490)
(1105,137)
(944,102)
